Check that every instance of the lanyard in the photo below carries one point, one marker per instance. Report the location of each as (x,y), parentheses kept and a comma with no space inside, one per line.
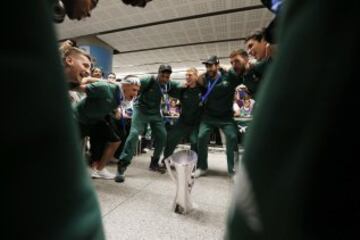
(210,88)
(164,93)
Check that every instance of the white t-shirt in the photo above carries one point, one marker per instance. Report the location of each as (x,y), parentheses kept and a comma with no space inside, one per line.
(126,106)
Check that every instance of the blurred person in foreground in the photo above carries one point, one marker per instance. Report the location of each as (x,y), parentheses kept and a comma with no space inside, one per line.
(49,196)
(296,182)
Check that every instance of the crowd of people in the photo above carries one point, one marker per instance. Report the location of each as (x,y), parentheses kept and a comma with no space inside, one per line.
(113,114)
(297,182)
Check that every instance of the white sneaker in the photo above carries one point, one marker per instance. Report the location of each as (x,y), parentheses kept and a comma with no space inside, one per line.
(114,160)
(200,172)
(104,174)
(93,173)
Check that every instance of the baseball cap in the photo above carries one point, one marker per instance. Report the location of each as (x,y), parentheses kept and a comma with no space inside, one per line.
(212,60)
(165,68)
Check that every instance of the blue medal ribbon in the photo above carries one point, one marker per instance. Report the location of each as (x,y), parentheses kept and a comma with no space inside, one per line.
(210,88)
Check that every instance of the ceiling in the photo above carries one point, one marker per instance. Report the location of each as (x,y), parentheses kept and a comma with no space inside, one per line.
(178,32)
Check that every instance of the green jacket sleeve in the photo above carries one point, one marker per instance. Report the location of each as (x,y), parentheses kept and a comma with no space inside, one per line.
(97,89)
(234,78)
(253,78)
(145,83)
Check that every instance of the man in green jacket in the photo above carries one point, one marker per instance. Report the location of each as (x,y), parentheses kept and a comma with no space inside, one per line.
(107,134)
(147,111)
(217,102)
(94,115)
(189,120)
(262,52)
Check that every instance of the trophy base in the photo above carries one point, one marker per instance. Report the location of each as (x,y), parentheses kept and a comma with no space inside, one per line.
(179,209)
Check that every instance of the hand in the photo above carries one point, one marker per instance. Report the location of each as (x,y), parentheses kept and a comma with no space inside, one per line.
(184,85)
(251,63)
(85,80)
(118,114)
(88,80)
(112,81)
(126,116)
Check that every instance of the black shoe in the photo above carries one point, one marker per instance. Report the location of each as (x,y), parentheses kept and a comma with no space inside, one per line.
(119,178)
(154,166)
(120,175)
(162,168)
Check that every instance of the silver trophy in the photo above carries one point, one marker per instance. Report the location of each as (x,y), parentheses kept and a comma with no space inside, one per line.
(184,162)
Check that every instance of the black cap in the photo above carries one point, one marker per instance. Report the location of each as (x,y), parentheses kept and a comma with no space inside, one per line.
(165,68)
(212,60)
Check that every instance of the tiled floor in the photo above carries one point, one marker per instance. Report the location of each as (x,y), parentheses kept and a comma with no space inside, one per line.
(141,207)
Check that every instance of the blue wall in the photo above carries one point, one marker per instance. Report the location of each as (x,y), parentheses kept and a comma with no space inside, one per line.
(102,55)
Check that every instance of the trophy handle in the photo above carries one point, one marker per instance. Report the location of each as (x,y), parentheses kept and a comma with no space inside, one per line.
(167,164)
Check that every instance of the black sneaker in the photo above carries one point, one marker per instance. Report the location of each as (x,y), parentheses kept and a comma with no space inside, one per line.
(157,168)
(120,175)
(154,166)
